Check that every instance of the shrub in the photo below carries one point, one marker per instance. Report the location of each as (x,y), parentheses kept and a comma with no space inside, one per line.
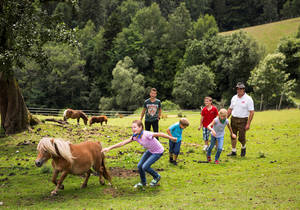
(169,105)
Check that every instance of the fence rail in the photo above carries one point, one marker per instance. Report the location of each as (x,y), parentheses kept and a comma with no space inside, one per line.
(109,113)
(59,112)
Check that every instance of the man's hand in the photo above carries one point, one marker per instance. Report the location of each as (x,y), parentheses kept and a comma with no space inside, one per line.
(247,127)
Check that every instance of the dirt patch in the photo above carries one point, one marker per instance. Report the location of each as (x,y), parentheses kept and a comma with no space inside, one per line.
(122,172)
(112,191)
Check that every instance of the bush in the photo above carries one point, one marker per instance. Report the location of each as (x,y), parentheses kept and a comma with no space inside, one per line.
(169,105)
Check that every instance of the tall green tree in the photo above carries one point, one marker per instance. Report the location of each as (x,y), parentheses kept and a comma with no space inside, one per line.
(270,82)
(24,28)
(128,87)
(231,58)
(191,86)
(198,8)
(204,25)
(290,47)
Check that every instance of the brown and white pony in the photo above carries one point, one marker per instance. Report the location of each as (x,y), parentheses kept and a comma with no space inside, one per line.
(75,114)
(67,158)
(98,119)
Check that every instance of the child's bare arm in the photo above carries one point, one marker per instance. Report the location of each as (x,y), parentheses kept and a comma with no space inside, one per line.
(201,122)
(209,127)
(120,144)
(143,113)
(163,135)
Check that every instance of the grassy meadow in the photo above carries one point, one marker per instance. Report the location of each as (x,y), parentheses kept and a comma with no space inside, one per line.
(270,34)
(267,178)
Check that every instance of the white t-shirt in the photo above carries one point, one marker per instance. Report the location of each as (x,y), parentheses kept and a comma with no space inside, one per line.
(241,107)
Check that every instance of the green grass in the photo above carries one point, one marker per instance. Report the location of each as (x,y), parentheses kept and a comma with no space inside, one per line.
(270,34)
(267,178)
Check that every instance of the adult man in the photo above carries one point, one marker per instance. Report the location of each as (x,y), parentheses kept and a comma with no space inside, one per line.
(152,108)
(242,111)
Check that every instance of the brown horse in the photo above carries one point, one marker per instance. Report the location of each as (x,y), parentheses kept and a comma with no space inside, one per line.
(75,114)
(67,158)
(98,119)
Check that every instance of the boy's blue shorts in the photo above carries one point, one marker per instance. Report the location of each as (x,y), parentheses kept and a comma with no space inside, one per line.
(174,147)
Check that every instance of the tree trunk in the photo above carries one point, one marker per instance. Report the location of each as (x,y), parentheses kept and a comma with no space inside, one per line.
(280,101)
(15,116)
(261,101)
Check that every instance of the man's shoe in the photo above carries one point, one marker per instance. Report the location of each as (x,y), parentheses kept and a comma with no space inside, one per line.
(208,158)
(217,162)
(174,162)
(243,152)
(232,154)
(171,160)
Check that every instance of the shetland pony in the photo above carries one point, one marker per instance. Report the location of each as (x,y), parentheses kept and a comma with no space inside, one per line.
(98,119)
(75,114)
(67,158)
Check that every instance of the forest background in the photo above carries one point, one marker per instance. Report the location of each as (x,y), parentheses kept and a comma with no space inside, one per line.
(120,49)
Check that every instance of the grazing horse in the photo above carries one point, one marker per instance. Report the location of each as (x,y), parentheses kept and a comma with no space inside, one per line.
(67,158)
(98,119)
(75,114)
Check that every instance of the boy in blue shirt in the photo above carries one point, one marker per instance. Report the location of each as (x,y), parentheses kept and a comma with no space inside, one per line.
(175,130)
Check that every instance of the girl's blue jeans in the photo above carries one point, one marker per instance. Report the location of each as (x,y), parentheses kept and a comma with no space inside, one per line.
(212,144)
(146,161)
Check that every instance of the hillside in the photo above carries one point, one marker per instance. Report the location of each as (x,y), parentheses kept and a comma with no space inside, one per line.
(270,34)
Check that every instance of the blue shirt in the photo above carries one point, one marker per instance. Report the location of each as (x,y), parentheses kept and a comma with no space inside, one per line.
(220,127)
(176,131)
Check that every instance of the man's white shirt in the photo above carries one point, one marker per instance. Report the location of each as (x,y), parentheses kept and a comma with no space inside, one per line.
(241,107)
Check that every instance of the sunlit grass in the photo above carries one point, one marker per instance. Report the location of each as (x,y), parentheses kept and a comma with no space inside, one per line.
(267,178)
(270,34)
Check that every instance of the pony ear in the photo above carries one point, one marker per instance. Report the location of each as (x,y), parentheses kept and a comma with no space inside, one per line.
(52,141)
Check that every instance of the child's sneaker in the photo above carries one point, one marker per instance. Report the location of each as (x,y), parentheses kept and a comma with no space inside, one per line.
(155,181)
(217,162)
(139,185)
(208,158)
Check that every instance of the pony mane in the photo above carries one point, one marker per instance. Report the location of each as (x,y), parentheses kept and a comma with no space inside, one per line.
(65,112)
(62,146)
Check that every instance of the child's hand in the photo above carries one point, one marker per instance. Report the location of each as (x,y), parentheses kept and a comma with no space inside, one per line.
(233,136)
(104,150)
(213,132)
(199,127)
(174,139)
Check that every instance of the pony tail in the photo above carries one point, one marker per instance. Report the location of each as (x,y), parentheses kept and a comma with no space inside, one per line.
(105,171)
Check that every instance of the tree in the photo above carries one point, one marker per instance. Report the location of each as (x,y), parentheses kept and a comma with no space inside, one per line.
(198,7)
(24,28)
(127,86)
(291,8)
(191,86)
(203,25)
(231,58)
(290,47)
(270,82)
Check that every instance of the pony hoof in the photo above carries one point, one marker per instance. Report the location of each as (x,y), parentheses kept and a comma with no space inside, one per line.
(102,182)
(53,193)
(61,187)
(83,186)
